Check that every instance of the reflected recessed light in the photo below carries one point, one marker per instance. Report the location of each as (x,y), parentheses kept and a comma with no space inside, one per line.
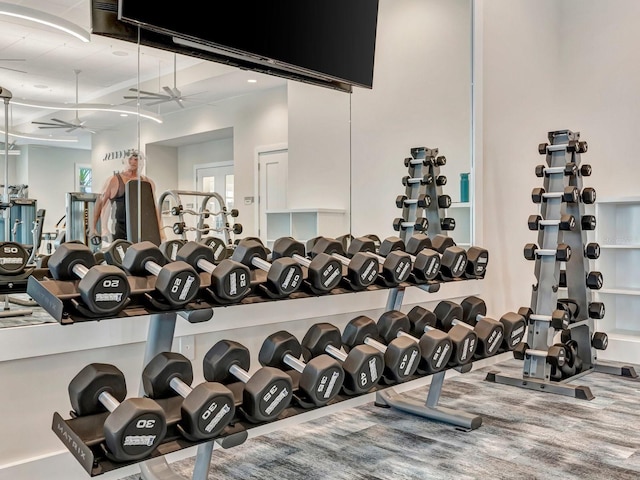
(252,80)
(40,86)
(120,53)
(124,115)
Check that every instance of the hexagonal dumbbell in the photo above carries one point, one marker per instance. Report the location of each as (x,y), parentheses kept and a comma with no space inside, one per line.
(396,266)
(321,378)
(559,318)
(568,195)
(284,275)
(363,365)
(453,263)
(556,355)
(114,253)
(135,427)
(562,253)
(266,393)
(324,272)
(425,264)
(177,282)
(489,332)
(104,289)
(435,345)
(401,354)
(362,268)
(477,261)
(514,324)
(230,280)
(206,410)
(170,248)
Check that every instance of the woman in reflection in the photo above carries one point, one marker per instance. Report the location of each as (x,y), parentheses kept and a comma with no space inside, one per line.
(113,195)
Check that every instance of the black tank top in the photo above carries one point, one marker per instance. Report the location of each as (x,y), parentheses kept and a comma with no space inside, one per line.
(120,215)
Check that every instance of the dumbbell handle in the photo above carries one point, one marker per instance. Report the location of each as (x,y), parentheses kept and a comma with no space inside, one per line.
(536,353)
(108,400)
(381,347)
(553,194)
(80,270)
(549,222)
(304,261)
(239,373)
(546,251)
(152,267)
(295,363)
(336,353)
(416,180)
(460,322)
(180,387)
(205,265)
(541,318)
(344,260)
(405,334)
(554,169)
(261,264)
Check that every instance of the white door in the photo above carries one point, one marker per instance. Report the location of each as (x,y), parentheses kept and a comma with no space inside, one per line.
(272,185)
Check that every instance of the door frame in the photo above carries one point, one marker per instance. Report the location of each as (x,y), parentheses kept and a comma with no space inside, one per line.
(259,150)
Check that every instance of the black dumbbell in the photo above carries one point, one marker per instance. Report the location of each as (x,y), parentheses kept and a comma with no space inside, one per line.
(220,249)
(284,275)
(426,263)
(477,261)
(588,195)
(396,266)
(556,355)
(559,318)
(114,253)
(568,195)
(266,393)
(594,280)
(104,289)
(596,310)
(423,201)
(363,365)
(489,332)
(453,263)
(177,282)
(573,146)
(463,340)
(435,345)
(13,258)
(324,272)
(230,280)
(135,427)
(410,181)
(401,354)
(321,378)
(421,224)
(562,253)
(362,268)
(592,251)
(206,409)
(566,222)
(514,324)
(569,169)
(170,248)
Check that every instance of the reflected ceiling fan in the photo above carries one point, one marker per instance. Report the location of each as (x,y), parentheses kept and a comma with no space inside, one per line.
(71,126)
(172,94)
(2,60)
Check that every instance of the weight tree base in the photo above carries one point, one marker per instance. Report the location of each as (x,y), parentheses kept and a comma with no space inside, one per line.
(613,368)
(390,398)
(580,391)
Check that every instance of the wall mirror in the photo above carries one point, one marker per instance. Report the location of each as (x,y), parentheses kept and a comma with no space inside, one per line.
(292,158)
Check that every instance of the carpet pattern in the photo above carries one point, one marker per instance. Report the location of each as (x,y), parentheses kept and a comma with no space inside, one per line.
(524,435)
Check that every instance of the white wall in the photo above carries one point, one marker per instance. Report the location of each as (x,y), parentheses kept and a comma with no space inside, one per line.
(421,96)
(522,73)
(50,176)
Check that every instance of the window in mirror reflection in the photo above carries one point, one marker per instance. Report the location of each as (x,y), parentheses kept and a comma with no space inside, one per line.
(84,178)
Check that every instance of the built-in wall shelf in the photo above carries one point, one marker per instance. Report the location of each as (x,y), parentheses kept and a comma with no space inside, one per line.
(618,234)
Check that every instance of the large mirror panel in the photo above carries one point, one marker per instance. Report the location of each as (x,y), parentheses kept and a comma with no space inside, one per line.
(292,158)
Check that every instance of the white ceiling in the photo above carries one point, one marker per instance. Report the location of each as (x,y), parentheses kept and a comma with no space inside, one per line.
(108,69)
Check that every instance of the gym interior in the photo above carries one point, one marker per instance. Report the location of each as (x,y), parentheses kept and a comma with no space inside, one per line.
(428,276)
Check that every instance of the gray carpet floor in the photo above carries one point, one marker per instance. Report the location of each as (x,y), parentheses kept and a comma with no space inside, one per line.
(12,317)
(524,435)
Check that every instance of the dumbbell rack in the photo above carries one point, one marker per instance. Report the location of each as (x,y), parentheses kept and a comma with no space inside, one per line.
(563,156)
(424,170)
(202,213)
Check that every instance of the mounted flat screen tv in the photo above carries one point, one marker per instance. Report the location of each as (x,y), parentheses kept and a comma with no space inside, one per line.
(328,42)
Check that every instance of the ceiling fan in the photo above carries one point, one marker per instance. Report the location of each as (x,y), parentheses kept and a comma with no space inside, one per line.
(173,94)
(71,126)
(12,60)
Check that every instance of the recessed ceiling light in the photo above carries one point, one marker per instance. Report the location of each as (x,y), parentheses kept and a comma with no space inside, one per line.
(40,86)
(124,115)
(252,80)
(120,53)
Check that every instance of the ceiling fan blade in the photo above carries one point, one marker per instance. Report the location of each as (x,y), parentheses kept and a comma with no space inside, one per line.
(169,91)
(52,127)
(13,69)
(158,102)
(144,92)
(62,122)
(179,101)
